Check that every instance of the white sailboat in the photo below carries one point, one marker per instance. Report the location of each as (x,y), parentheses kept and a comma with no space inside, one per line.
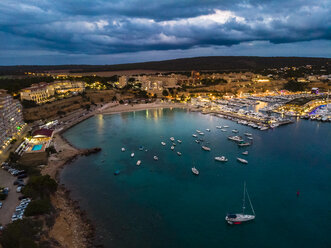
(241,217)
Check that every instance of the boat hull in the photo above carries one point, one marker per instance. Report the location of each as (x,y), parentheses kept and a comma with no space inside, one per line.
(240,218)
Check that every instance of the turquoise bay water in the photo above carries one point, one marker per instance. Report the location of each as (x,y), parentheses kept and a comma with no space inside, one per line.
(162,204)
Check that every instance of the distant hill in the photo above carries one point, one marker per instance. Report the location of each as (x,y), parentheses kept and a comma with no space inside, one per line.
(213,63)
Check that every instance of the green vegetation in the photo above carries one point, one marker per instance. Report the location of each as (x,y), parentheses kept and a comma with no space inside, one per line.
(210,82)
(21,234)
(38,207)
(40,187)
(294,86)
(165,93)
(16,84)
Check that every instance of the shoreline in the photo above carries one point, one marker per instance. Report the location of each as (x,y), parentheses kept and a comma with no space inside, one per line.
(72,227)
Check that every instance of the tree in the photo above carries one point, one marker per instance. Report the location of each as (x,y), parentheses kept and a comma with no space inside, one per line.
(40,187)
(294,86)
(165,92)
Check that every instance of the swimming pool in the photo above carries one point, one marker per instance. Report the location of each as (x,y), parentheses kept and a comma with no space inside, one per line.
(36,147)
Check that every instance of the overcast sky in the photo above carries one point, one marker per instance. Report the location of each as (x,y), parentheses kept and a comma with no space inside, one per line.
(111,32)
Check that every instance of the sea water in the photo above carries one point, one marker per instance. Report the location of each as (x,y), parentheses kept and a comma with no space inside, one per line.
(162,204)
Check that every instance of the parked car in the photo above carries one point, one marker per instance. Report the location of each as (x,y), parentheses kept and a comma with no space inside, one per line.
(22,176)
(19,188)
(0,204)
(18,181)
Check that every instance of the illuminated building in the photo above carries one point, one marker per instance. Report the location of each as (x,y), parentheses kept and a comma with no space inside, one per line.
(11,118)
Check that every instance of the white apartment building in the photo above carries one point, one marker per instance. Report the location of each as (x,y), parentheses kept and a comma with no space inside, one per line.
(11,118)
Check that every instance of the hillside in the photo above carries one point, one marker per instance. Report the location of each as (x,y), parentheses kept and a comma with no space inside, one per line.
(214,63)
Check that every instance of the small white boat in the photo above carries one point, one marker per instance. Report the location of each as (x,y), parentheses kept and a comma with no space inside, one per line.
(223,130)
(163,143)
(172,147)
(235,138)
(198,131)
(208,130)
(242,217)
(245,153)
(174,144)
(132,155)
(244,144)
(264,128)
(248,134)
(250,138)
(179,141)
(225,126)
(241,160)
(155,158)
(221,159)
(195,171)
(179,153)
(235,131)
(194,135)
(138,162)
(219,127)
(172,138)
(123,149)
(201,133)
(197,141)
(206,148)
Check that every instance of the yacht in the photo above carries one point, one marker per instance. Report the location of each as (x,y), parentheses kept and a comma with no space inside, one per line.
(179,141)
(242,217)
(219,127)
(163,143)
(195,171)
(172,147)
(172,139)
(245,153)
(138,162)
(208,130)
(235,131)
(206,148)
(155,158)
(236,138)
(123,149)
(244,161)
(221,159)
(132,155)
(179,153)
(194,135)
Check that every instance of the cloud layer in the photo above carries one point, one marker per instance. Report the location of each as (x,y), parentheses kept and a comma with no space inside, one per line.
(100,27)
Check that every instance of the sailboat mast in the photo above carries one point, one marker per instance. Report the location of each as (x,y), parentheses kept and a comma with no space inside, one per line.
(249,199)
(244,197)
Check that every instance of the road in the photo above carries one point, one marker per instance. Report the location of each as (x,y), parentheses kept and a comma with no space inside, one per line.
(11,202)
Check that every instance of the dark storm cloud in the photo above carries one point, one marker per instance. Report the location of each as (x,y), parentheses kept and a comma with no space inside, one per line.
(109,27)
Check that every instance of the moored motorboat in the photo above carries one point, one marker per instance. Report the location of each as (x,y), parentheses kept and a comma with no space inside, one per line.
(207,129)
(201,133)
(244,144)
(138,162)
(245,153)
(223,130)
(179,153)
(172,138)
(206,148)
(235,138)
(225,126)
(179,141)
(241,160)
(248,134)
(141,148)
(250,138)
(194,135)
(219,127)
(172,147)
(174,144)
(156,158)
(235,131)
(197,141)
(132,155)
(195,171)
(221,159)
(163,143)
(123,149)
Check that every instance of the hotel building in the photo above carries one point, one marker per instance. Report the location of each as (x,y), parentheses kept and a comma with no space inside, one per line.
(11,119)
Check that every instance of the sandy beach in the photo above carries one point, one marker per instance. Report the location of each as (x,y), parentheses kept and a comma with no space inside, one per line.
(72,229)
